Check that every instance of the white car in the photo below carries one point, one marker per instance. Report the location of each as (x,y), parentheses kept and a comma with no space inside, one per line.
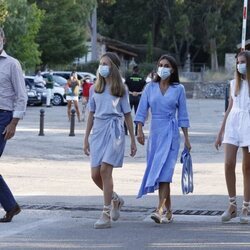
(66,74)
(58,91)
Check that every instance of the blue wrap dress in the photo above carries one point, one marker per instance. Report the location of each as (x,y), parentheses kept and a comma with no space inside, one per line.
(107,139)
(169,112)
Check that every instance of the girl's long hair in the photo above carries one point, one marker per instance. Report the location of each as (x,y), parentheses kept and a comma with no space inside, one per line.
(238,76)
(174,77)
(117,88)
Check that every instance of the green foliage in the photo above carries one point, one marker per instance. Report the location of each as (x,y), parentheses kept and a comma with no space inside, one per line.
(3,11)
(177,26)
(63,33)
(88,67)
(21,27)
(149,48)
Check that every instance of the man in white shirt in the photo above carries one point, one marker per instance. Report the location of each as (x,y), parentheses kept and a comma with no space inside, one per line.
(39,78)
(13,101)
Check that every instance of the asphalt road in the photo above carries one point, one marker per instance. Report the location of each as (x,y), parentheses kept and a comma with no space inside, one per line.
(50,177)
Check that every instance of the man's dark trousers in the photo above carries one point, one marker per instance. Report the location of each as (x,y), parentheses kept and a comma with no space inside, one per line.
(134,102)
(6,197)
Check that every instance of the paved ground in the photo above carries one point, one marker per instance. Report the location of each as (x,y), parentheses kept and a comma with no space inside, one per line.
(50,177)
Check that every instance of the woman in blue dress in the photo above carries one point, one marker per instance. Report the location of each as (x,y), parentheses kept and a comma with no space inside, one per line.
(165,97)
(108,106)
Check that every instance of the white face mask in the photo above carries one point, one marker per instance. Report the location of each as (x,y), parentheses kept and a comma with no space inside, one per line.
(163,72)
(104,70)
(242,68)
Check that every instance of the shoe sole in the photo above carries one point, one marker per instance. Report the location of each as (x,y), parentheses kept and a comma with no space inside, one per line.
(243,221)
(156,219)
(102,226)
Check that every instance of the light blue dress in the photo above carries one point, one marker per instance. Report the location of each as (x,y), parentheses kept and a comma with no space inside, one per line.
(107,140)
(169,112)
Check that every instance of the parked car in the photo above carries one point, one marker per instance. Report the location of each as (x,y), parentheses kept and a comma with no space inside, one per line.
(39,87)
(66,74)
(58,91)
(34,97)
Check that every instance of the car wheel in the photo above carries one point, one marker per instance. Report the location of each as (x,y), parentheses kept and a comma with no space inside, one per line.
(57,100)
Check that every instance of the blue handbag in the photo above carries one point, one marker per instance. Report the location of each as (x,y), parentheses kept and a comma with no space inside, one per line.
(187,172)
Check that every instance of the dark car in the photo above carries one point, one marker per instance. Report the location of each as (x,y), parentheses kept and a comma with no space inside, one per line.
(39,88)
(34,98)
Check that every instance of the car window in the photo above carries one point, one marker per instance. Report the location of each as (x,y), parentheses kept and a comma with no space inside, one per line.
(60,80)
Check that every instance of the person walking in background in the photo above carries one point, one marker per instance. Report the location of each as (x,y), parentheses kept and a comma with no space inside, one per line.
(108,106)
(13,101)
(135,84)
(72,94)
(235,133)
(86,84)
(49,87)
(165,96)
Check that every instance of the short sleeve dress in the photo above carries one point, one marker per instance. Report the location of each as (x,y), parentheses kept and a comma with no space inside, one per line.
(237,129)
(107,140)
(169,112)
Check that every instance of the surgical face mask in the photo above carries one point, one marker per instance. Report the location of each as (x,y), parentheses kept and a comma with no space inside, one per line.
(104,70)
(163,72)
(242,68)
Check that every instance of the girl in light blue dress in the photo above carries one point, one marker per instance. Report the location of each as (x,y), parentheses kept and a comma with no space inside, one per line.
(165,97)
(108,106)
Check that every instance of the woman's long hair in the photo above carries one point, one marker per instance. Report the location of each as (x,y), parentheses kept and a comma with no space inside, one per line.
(174,77)
(238,76)
(117,88)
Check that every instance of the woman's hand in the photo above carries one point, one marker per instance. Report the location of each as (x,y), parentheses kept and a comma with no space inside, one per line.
(187,144)
(86,147)
(133,148)
(218,141)
(140,137)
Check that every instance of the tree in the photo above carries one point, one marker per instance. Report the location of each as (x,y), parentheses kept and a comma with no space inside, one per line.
(215,24)
(206,29)
(21,27)
(63,33)
(3,11)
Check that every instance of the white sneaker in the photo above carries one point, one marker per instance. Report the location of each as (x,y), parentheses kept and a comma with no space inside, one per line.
(167,217)
(104,221)
(117,203)
(156,217)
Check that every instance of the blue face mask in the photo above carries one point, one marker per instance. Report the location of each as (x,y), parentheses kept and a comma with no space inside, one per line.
(104,70)
(163,72)
(242,68)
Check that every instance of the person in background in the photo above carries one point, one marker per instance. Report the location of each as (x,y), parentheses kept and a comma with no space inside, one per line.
(13,101)
(150,77)
(135,84)
(235,134)
(86,84)
(39,78)
(166,98)
(72,94)
(108,107)
(49,87)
